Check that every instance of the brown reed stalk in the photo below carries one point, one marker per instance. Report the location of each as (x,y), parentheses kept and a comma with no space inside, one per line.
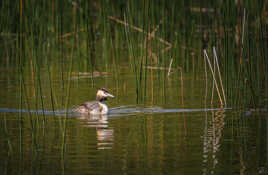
(150,35)
(243,28)
(182,90)
(217,63)
(170,64)
(149,38)
(213,75)
(206,75)
(243,34)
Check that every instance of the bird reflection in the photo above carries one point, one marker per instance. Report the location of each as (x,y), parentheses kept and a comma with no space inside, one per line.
(105,135)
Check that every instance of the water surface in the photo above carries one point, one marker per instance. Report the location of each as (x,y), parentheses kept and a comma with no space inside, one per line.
(166,116)
(133,139)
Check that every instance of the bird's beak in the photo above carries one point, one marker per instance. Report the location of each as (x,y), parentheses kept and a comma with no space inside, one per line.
(109,95)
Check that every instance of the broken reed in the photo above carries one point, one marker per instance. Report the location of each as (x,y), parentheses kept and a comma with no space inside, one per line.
(217,80)
(139,38)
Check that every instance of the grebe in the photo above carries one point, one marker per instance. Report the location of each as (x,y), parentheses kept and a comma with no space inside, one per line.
(95,107)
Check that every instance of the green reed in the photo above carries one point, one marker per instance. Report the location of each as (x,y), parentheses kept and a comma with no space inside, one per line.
(56,38)
(107,31)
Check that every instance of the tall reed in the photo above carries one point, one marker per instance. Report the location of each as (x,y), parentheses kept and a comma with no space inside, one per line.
(155,32)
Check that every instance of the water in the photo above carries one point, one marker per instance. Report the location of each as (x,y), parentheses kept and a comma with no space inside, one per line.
(55,55)
(134,139)
(169,131)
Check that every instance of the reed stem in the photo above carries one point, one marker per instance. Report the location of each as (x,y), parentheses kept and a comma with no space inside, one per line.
(170,64)
(217,64)
(213,75)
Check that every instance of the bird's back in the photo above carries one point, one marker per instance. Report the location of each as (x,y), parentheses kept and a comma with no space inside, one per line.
(89,107)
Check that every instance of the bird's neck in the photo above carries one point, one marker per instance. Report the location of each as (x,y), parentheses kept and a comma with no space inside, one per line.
(101,99)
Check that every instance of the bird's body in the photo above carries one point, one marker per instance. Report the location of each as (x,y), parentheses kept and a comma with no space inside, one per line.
(95,107)
(92,107)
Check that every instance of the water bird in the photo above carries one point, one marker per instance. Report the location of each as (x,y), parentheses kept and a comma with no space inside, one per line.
(95,107)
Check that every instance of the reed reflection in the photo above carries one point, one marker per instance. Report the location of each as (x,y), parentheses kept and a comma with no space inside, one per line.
(105,135)
(212,140)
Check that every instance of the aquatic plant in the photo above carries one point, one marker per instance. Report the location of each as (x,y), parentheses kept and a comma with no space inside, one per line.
(149,37)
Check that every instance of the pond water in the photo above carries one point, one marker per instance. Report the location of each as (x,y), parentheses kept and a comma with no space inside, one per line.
(166,117)
(170,132)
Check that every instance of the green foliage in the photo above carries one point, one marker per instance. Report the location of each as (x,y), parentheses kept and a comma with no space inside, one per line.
(41,38)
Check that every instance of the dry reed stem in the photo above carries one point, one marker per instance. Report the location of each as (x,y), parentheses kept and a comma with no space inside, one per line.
(182,91)
(217,63)
(170,64)
(70,34)
(33,72)
(243,34)
(156,67)
(150,35)
(206,75)
(165,49)
(243,29)
(202,10)
(152,85)
(126,24)
(213,75)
